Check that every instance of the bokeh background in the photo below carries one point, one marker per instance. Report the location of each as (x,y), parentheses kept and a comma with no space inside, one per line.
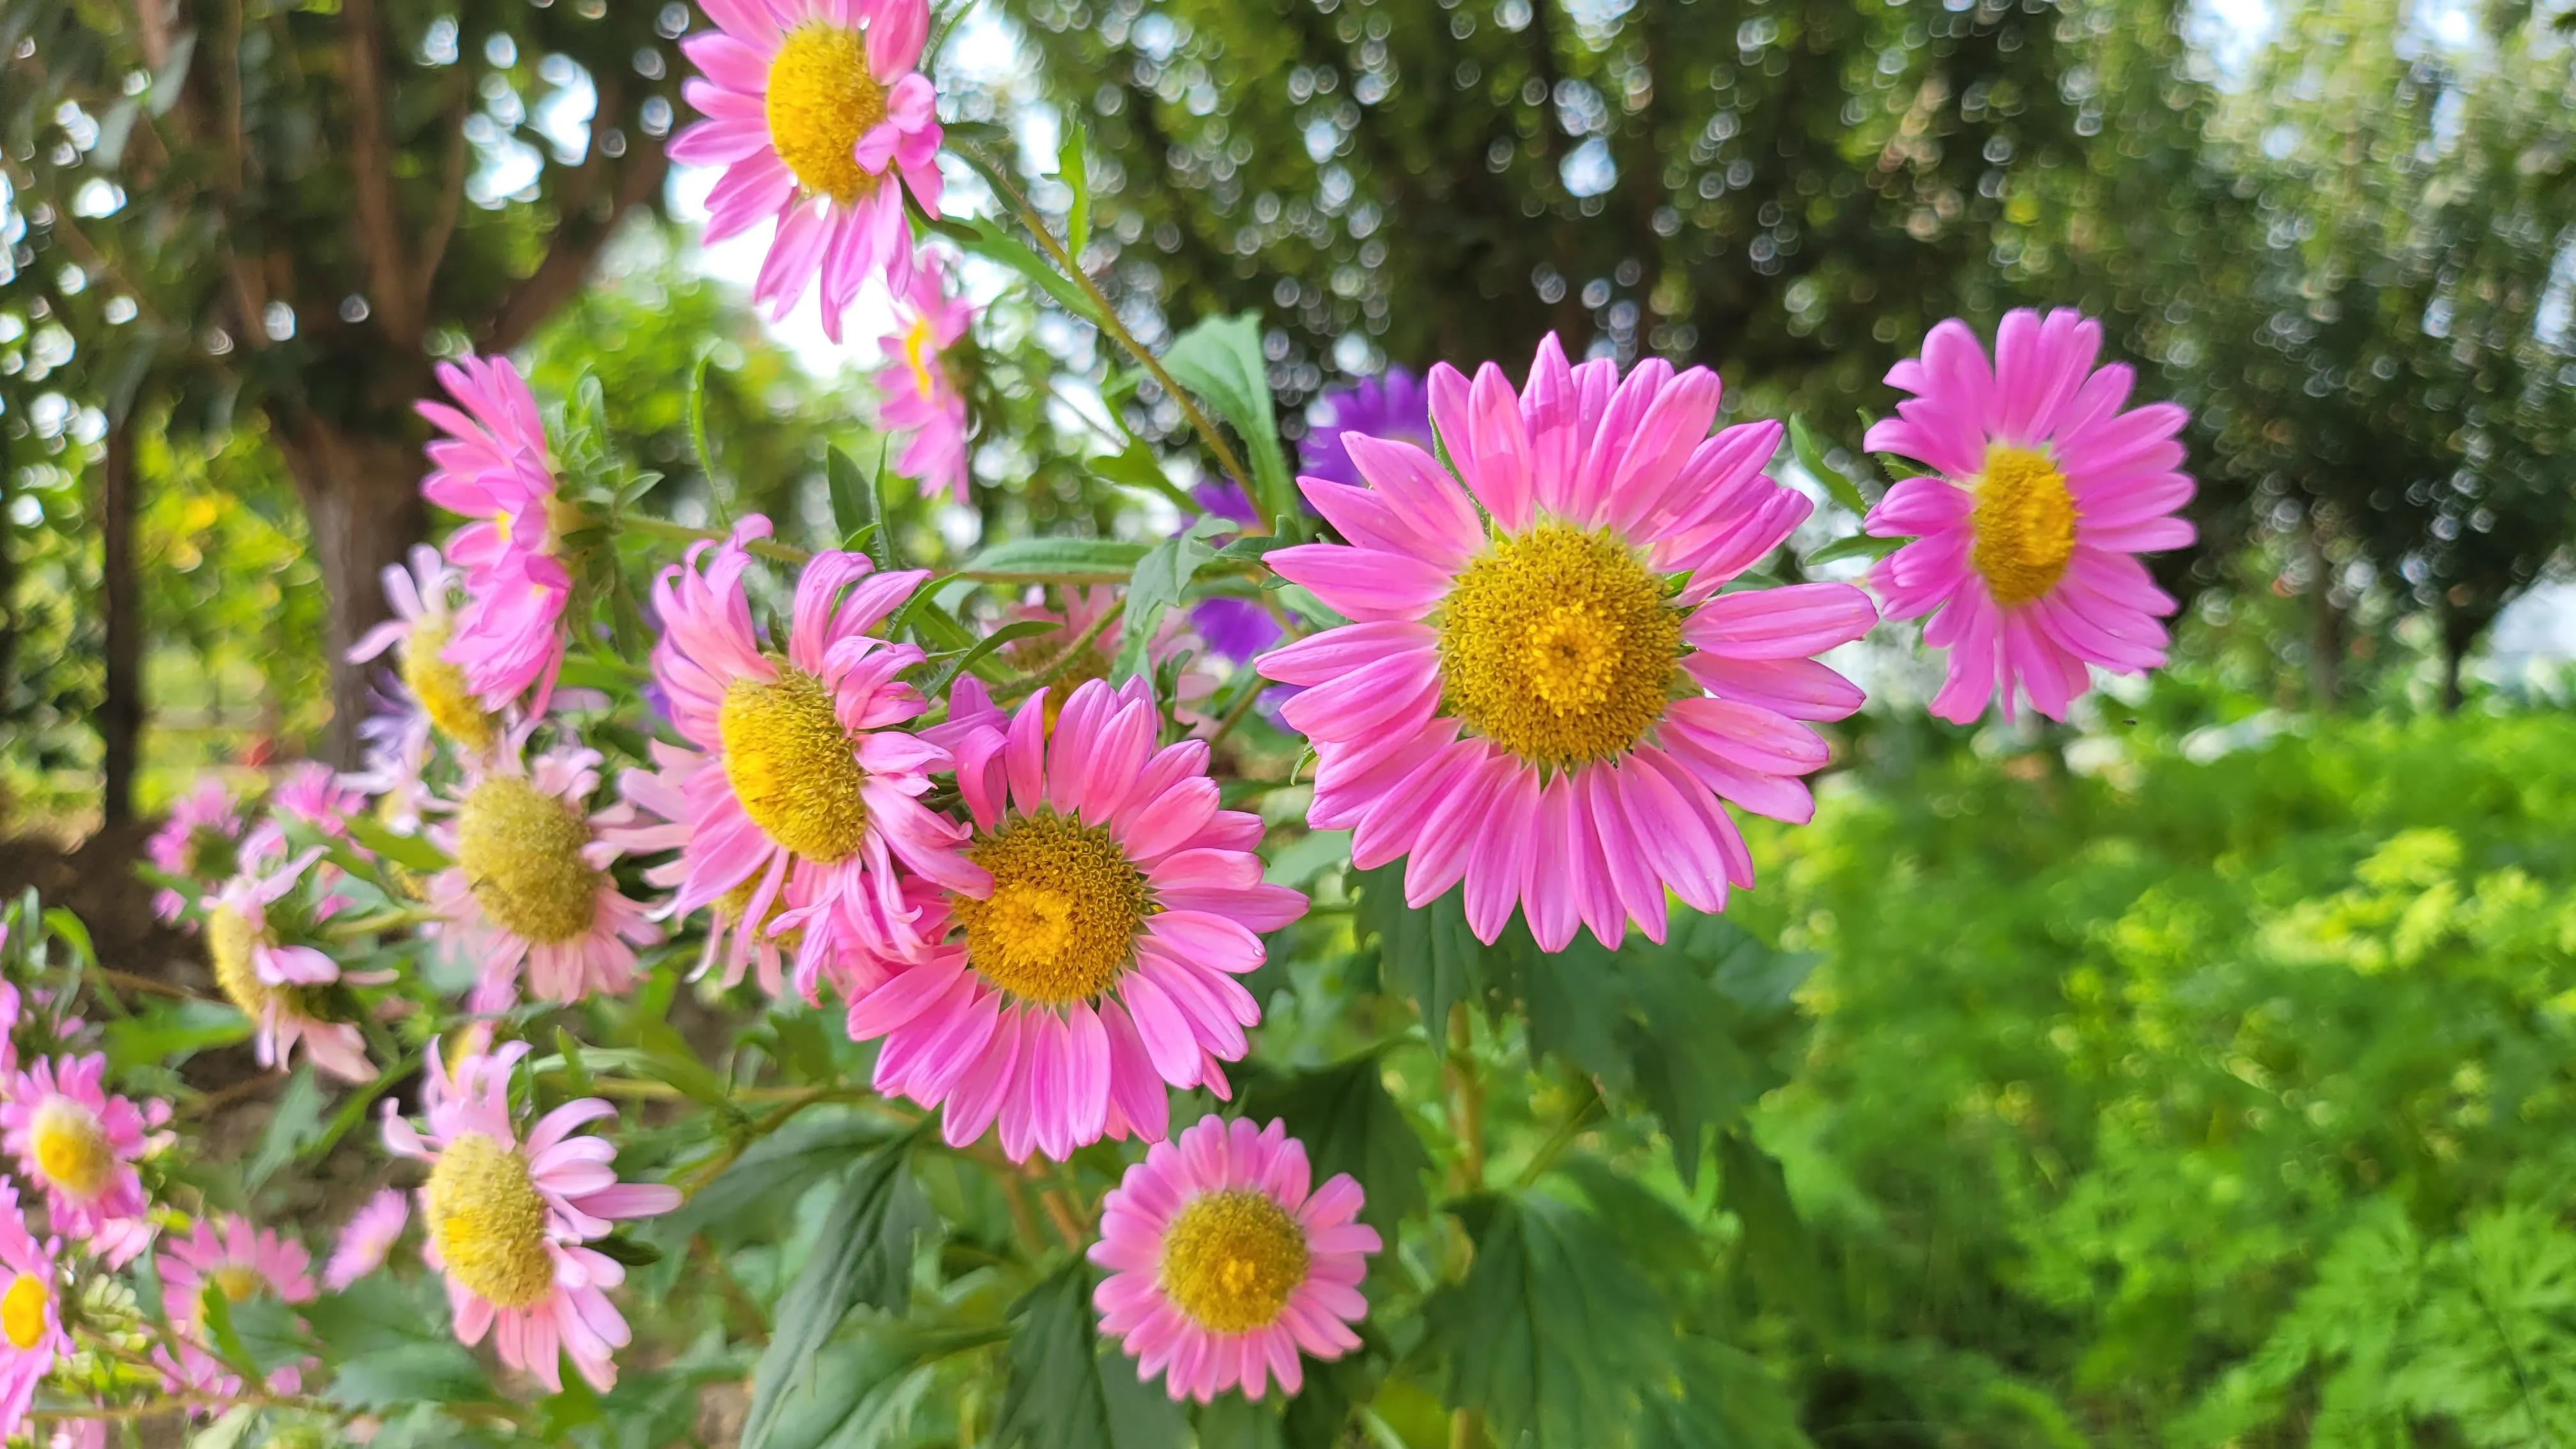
(2197,1072)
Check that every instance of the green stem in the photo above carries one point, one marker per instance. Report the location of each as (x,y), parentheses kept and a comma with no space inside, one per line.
(1564,1135)
(1056,667)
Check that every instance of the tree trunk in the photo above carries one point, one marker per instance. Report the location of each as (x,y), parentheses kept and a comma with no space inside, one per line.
(120,709)
(8,576)
(2325,625)
(2460,630)
(362,504)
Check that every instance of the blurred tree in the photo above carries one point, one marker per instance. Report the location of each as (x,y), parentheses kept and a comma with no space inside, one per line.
(301,206)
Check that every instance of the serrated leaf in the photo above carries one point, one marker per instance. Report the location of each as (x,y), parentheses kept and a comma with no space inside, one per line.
(1066,1389)
(1057,560)
(1553,1334)
(1776,1248)
(1220,359)
(1811,459)
(1429,954)
(863,1255)
(1161,577)
(296,1121)
(1349,1124)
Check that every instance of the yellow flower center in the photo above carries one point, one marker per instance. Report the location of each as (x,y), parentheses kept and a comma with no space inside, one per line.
(1231,1259)
(1066,904)
(72,1149)
(793,767)
(920,355)
(2025,524)
(490,1222)
(440,686)
(230,939)
(1558,645)
(821,101)
(22,1310)
(520,849)
(731,906)
(238,1282)
(792,764)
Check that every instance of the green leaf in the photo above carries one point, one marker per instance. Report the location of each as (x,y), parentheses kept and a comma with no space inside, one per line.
(1220,359)
(411,852)
(987,239)
(228,1431)
(1859,545)
(1158,583)
(1553,1335)
(1429,954)
(296,1122)
(669,1057)
(215,1309)
(399,1375)
(765,1182)
(1725,1399)
(271,1334)
(1010,633)
(70,929)
(1776,1248)
(1072,167)
(1349,1123)
(1057,560)
(632,1252)
(164,1032)
(1066,1389)
(854,497)
(706,455)
(1811,459)
(862,1256)
(866,1389)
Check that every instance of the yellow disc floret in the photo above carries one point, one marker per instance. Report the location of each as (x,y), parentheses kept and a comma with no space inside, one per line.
(520,849)
(821,101)
(230,939)
(2025,524)
(1231,1259)
(238,1282)
(490,1223)
(440,686)
(1061,922)
(72,1149)
(22,1310)
(793,767)
(1558,645)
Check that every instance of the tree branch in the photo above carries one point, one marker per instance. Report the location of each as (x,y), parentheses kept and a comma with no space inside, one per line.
(390,276)
(451,198)
(578,237)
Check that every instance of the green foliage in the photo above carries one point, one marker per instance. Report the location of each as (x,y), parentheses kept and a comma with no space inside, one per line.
(1067,1389)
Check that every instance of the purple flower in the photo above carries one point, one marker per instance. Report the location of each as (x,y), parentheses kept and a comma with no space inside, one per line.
(1395,406)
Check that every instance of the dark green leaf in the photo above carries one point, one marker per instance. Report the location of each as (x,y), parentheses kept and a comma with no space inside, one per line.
(296,1122)
(270,1332)
(1553,1335)
(1067,1390)
(1058,560)
(770,1176)
(1160,578)
(1349,1124)
(1726,1400)
(863,1255)
(1427,954)
(1776,1248)
(865,1386)
(629,1251)
(854,496)
(1811,459)
(1220,359)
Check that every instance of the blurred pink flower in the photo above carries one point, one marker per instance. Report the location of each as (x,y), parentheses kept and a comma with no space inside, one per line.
(915,393)
(198,841)
(491,465)
(32,1340)
(80,1143)
(241,1263)
(276,982)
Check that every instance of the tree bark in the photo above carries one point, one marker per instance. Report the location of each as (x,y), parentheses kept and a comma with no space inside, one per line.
(120,709)
(362,504)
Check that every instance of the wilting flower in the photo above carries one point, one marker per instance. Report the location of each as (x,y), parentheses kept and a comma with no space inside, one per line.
(509,1219)
(1549,698)
(369,1235)
(806,779)
(1393,406)
(490,464)
(423,601)
(1102,964)
(655,818)
(79,1143)
(814,111)
(915,394)
(31,1318)
(199,841)
(530,887)
(1084,648)
(277,981)
(241,1263)
(2026,544)
(1223,1266)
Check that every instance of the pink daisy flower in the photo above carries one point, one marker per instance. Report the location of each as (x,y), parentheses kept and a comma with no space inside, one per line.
(820,122)
(804,783)
(531,887)
(1100,966)
(370,1234)
(490,464)
(2026,544)
(277,981)
(423,599)
(654,819)
(915,394)
(1544,692)
(508,1218)
(240,1262)
(1223,1265)
(310,792)
(78,1434)
(32,1340)
(198,841)
(79,1143)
